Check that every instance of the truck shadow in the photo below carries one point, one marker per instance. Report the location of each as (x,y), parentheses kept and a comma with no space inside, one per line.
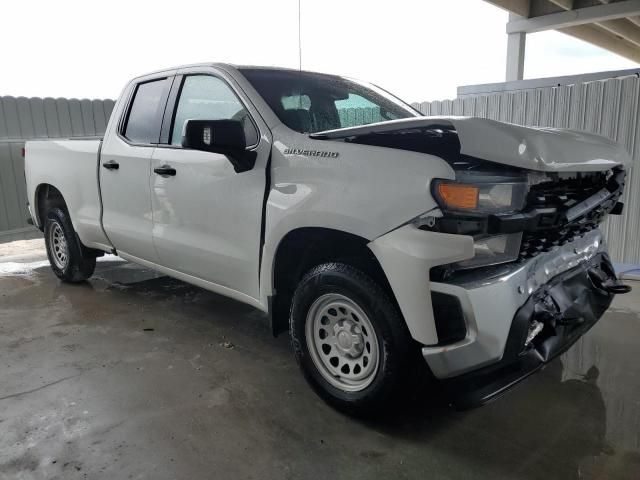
(544,428)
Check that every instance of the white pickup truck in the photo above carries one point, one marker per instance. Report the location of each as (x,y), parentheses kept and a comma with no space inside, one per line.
(374,234)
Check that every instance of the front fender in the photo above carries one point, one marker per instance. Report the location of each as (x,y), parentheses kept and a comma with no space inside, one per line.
(358,189)
(406,256)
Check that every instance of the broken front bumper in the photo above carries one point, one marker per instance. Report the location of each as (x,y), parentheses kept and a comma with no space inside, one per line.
(513,317)
(523,317)
(489,300)
(566,308)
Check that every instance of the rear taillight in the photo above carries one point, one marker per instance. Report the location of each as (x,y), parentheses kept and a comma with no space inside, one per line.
(22,151)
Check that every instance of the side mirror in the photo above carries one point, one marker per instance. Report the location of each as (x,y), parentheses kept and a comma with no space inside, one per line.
(220,136)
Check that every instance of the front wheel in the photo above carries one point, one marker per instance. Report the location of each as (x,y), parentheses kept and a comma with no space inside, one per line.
(68,258)
(349,339)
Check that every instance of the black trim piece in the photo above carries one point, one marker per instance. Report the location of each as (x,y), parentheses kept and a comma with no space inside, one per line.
(482,224)
(169,110)
(617,209)
(263,223)
(174,109)
(448,317)
(165,171)
(270,314)
(111,165)
(531,220)
(104,232)
(439,140)
(125,113)
(230,141)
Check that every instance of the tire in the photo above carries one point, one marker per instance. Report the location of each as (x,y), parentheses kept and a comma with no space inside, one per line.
(69,259)
(364,317)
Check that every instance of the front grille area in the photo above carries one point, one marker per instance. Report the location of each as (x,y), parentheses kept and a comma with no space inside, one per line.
(559,208)
(567,196)
(565,192)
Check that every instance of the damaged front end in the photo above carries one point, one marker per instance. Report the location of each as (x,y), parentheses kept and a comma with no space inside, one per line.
(552,319)
(548,210)
(517,266)
(537,242)
(531,200)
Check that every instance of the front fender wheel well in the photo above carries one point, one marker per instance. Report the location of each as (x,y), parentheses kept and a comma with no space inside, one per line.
(302,249)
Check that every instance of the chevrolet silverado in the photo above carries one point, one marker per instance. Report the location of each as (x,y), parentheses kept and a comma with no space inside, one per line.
(377,236)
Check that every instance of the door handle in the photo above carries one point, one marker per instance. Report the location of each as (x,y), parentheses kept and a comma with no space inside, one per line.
(111,165)
(165,171)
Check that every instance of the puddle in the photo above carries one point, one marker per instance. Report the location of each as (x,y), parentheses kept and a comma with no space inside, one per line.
(9,269)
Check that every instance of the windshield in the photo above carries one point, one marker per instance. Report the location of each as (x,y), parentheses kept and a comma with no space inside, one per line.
(313,102)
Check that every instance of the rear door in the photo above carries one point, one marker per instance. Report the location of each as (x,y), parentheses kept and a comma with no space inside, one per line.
(207,218)
(126,165)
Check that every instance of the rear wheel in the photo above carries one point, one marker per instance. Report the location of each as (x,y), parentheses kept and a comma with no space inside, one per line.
(349,339)
(70,261)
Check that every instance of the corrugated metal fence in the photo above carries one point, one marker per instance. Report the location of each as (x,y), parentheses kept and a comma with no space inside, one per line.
(28,118)
(606,107)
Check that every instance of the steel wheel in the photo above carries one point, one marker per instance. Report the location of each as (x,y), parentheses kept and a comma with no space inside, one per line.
(59,247)
(342,342)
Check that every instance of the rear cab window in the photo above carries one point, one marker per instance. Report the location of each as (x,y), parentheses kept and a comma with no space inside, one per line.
(144,117)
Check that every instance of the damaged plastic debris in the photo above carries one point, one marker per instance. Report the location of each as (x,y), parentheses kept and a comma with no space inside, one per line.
(534,329)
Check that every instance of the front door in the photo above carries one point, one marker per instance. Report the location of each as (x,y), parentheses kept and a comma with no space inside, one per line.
(206,217)
(125,169)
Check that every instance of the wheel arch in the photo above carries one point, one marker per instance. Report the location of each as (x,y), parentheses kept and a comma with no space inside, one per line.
(47,196)
(306,247)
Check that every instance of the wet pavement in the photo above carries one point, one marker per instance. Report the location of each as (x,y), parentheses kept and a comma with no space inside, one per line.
(134,375)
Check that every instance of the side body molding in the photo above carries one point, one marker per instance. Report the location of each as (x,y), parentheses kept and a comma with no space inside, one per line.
(406,256)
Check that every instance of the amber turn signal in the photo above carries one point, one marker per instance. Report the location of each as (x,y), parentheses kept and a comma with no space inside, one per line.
(456,195)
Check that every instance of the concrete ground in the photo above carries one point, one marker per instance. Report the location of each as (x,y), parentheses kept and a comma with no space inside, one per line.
(135,375)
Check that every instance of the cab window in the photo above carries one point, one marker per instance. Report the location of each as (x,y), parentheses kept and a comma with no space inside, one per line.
(204,97)
(356,110)
(145,113)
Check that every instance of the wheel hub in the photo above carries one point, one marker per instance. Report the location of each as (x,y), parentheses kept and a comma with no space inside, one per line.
(349,340)
(342,342)
(58,245)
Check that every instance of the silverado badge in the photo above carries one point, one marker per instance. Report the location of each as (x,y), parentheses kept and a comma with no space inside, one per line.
(310,153)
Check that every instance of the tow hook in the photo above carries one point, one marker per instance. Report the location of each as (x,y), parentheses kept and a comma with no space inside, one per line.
(607,281)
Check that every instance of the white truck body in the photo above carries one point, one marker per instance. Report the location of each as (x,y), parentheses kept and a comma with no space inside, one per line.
(221,229)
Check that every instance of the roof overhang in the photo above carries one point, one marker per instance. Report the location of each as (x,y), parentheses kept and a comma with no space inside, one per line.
(610,24)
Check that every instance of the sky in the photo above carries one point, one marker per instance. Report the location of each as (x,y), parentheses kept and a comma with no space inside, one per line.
(418,49)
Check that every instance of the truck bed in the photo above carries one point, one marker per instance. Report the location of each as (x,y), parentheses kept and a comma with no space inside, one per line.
(71,166)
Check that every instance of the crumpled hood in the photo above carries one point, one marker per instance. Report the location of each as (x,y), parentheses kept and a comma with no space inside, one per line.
(534,148)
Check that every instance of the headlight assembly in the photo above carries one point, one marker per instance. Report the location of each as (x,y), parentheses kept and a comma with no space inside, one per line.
(480,196)
(468,201)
